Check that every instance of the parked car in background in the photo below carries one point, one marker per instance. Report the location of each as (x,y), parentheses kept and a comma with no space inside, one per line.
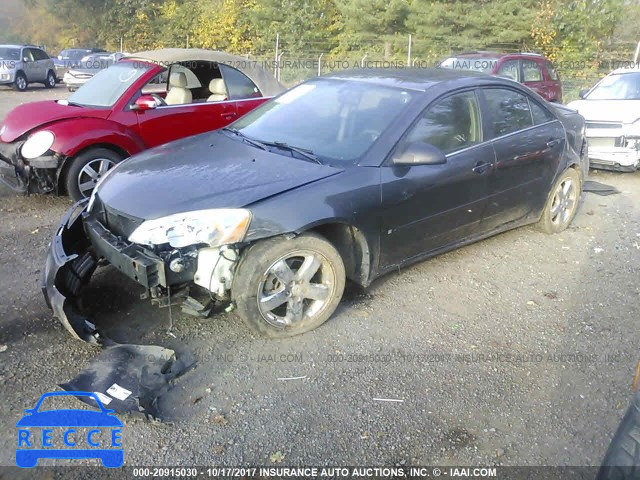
(530,69)
(66,146)
(87,67)
(21,65)
(612,111)
(70,58)
(391,167)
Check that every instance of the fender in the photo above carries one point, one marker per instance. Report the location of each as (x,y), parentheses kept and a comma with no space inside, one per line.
(73,136)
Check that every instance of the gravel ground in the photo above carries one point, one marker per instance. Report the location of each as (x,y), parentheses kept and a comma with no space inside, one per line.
(436,336)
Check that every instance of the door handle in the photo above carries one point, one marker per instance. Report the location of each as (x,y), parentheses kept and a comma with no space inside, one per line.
(552,143)
(229,115)
(481,167)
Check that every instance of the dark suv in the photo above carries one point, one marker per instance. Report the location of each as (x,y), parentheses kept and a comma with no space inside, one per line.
(530,69)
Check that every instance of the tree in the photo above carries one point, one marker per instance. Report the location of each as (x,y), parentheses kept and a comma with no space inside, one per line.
(374,21)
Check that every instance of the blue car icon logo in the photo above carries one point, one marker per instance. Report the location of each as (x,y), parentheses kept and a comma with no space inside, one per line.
(84,434)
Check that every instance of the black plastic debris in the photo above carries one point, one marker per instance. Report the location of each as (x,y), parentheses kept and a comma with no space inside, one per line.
(131,378)
(599,188)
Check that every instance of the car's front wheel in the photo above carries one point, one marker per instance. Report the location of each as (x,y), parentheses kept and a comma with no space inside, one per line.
(50,82)
(562,203)
(284,287)
(86,170)
(20,83)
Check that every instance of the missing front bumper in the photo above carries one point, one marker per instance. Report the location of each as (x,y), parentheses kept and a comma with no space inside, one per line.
(79,242)
(68,267)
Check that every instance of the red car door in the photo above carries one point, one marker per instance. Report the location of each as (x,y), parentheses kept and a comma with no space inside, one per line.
(533,78)
(172,122)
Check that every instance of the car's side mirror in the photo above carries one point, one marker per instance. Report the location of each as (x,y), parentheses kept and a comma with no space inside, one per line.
(583,92)
(26,59)
(144,103)
(420,153)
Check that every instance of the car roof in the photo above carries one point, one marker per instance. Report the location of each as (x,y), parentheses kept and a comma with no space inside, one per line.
(264,80)
(412,78)
(16,46)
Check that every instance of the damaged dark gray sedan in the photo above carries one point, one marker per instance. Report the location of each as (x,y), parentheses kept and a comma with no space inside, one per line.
(347,176)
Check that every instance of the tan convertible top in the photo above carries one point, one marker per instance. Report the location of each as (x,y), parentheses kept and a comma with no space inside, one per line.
(264,80)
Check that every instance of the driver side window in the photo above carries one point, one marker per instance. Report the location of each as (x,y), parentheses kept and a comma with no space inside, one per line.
(450,124)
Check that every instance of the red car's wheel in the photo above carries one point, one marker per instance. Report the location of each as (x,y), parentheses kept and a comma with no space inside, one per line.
(86,169)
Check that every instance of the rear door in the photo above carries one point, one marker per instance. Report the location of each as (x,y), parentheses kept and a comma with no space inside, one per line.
(528,142)
(427,207)
(533,78)
(43,62)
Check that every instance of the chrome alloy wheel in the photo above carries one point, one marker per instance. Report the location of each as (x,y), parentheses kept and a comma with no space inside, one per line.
(295,288)
(565,200)
(91,173)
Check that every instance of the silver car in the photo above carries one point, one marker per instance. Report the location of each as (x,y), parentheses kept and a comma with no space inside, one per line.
(21,65)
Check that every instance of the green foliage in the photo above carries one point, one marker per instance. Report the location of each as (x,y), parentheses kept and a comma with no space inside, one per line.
(581,36)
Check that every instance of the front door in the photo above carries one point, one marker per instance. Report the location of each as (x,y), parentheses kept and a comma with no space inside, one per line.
(427,207)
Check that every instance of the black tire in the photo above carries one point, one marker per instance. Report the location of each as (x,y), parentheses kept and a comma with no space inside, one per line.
(50,82)
(622,460)
(75,176)
(254,276)
(561,207)
(20,83)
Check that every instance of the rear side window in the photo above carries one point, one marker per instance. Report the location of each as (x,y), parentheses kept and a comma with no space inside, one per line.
(540,115)
(509,69)
(450,124)
(509,111)
(239,85)
(39,54)
(551,70)
(531,71)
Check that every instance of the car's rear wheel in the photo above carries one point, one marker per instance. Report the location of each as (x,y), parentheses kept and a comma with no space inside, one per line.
(20,83)
(87,169)
(562,203)
(50,82)
(285,287)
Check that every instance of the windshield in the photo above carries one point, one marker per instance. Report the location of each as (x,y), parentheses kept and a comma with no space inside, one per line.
(72,54)
(337,120)
(7,53)
(624,86)
(108,85)
(477,64)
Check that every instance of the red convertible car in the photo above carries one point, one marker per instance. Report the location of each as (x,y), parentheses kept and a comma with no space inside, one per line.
(144,100)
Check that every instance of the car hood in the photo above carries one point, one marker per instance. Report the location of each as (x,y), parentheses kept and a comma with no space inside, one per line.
(30,116)
(206,171)
(625,111)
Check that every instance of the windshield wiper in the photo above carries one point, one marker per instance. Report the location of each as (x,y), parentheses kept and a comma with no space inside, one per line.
(305,152)
(246,139)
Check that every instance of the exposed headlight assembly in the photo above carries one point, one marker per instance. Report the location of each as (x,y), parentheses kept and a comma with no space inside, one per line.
(37,144)
(214,227)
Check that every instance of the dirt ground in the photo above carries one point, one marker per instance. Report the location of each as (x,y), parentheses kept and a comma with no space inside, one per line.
(518,350)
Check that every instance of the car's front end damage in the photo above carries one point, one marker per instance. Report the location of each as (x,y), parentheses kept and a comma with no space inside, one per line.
(88,237)
(38,174)
(614,146)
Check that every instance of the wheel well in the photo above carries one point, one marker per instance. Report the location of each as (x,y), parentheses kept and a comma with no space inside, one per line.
(62,173)
(352,247)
